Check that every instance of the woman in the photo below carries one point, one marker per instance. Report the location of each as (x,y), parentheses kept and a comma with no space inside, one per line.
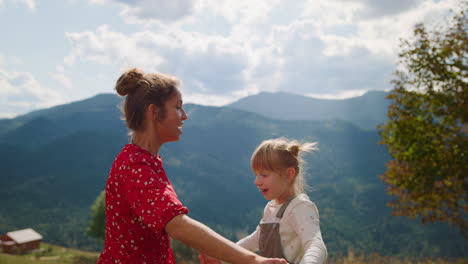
(142,208)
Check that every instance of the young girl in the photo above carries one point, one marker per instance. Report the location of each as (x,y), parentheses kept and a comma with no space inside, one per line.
(290,226)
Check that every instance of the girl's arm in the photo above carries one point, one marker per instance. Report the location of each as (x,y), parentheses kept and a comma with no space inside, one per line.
(251,241)
(307,227)
(314,253)
(198,236)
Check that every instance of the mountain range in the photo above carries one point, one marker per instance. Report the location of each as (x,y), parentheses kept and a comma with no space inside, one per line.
(366,111)
(54,163)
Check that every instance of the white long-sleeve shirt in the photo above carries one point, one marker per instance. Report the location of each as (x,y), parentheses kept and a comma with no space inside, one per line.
(299,231)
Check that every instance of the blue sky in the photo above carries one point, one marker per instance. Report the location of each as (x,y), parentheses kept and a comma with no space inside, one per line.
(55,52)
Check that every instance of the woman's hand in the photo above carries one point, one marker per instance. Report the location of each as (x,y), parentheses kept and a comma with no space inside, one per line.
(263,260)
(197,235)
(205,259)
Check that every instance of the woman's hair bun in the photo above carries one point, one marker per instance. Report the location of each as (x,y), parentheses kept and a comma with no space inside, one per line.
(129,81)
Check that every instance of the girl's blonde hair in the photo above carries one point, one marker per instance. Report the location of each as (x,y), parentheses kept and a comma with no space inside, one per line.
(280,154)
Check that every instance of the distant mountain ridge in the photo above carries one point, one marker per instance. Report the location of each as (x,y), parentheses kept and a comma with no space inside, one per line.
(366,111)
(101,103)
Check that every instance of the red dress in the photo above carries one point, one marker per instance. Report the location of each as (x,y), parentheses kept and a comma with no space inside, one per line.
(140,201)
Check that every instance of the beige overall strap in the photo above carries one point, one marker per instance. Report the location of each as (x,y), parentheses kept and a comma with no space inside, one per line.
(283,207)
(270,239)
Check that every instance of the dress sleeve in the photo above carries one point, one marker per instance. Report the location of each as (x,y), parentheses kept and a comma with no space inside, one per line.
(251,241)
(152,197)
(305,221)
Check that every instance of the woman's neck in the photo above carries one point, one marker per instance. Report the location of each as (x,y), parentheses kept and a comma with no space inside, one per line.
(146,142)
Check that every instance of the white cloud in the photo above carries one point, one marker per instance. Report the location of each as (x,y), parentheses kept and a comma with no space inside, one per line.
(204,63)
(16,60)
(311,47)
(20,92)
(100,2)
(30,4)
(308,64)
(240,11)
(322,47)
(204,99)
(69,60)
(380,8)
(62,77)
(221,50)
(107,47)
(341,21)
(339,95)
(150,11)
(10,60)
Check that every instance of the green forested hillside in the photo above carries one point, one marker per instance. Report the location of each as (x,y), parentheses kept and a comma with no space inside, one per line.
(55,162)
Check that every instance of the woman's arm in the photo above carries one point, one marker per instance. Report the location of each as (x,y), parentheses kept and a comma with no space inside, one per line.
(199,236)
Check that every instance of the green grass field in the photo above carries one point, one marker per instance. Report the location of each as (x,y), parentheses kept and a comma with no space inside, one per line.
(50,254)
(353,258)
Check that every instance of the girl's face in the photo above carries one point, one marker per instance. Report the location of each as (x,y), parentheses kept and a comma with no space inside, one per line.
(170,128)
(274,186)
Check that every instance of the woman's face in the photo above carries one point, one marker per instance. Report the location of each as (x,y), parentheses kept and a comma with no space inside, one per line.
(170,128)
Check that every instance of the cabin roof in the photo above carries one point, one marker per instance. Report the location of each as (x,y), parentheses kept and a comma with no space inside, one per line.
(24,235)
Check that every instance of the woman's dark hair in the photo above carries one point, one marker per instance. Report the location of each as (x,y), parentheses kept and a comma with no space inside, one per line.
(142,89)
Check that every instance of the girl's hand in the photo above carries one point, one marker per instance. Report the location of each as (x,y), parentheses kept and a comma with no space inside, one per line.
(272,261)
(205,259)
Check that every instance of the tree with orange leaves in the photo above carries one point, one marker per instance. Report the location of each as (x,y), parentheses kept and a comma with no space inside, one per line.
(427,128)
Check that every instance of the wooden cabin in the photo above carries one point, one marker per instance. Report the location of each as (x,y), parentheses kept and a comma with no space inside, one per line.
(20,241)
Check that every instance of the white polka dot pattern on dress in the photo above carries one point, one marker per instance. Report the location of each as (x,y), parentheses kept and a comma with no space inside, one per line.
(140,200)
